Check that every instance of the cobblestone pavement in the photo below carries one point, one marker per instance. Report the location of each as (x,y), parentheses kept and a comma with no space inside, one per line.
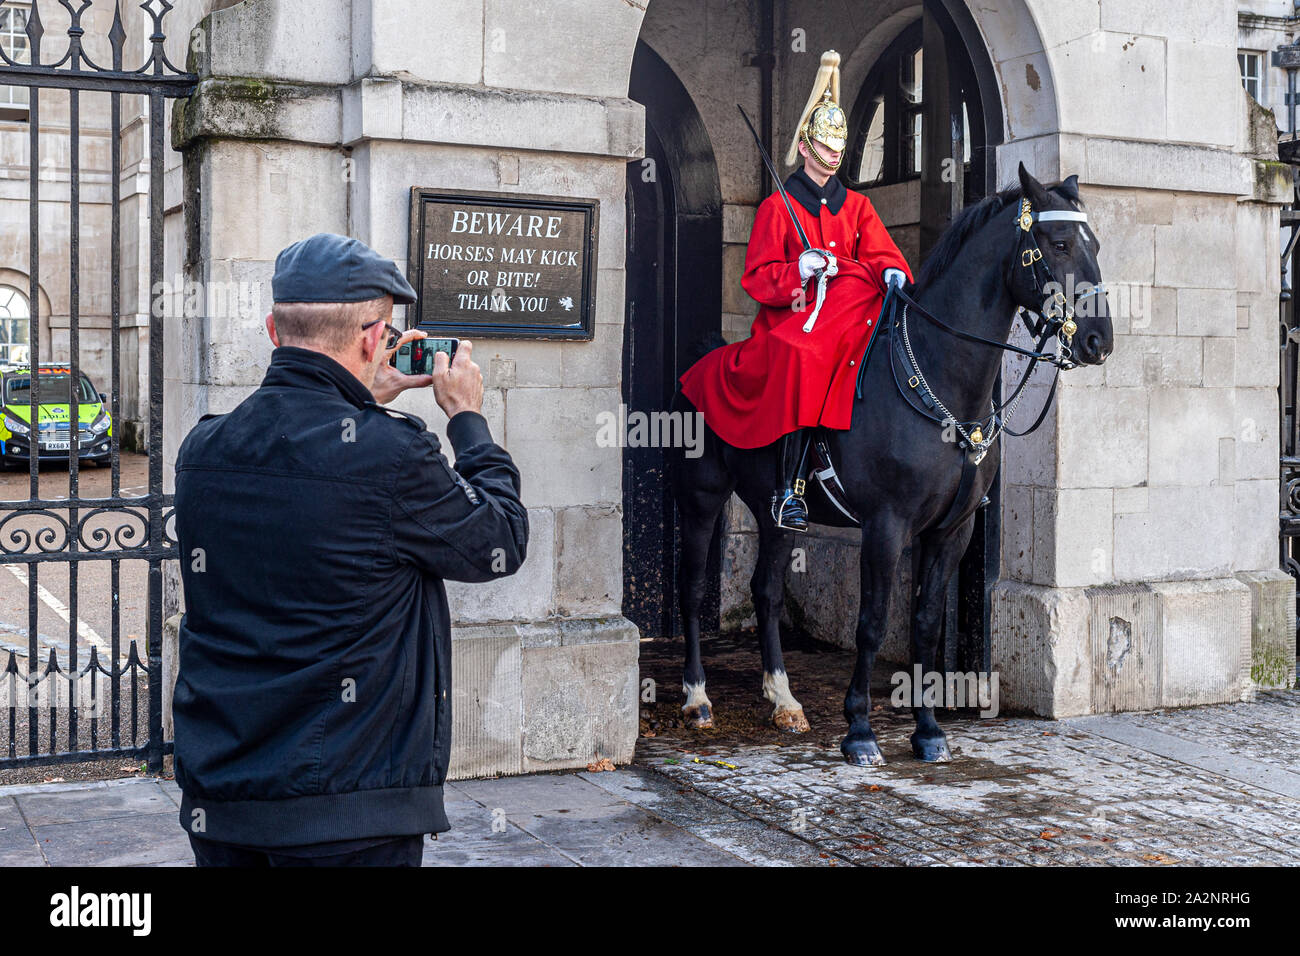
(1211,785)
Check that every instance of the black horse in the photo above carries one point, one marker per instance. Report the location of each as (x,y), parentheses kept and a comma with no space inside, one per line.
(909,463)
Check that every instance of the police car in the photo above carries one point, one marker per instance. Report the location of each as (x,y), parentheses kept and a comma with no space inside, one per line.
(54,438)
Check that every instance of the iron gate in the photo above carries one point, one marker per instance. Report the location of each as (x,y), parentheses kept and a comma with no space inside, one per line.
(63,696)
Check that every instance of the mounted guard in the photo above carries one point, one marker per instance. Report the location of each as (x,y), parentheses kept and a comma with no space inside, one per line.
(819,264)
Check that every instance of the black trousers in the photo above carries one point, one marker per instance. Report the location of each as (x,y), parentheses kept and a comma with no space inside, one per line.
(399,851)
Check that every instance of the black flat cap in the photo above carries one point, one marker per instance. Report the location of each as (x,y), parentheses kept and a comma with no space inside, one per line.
(333,268)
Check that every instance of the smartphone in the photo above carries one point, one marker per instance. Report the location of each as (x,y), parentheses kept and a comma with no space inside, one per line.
(416,358)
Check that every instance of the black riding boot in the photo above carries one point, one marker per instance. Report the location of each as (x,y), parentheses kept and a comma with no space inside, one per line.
(788,508)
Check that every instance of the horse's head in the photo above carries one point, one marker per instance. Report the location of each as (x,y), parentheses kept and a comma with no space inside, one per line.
(1054,272)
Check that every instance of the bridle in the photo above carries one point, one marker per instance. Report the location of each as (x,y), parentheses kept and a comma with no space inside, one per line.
(1057,320)
(1059,317)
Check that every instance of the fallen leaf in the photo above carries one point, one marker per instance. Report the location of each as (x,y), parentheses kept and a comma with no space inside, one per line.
(601,765)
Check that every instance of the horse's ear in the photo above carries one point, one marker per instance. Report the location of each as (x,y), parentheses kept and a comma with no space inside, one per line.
(1071,188)
(1032,189)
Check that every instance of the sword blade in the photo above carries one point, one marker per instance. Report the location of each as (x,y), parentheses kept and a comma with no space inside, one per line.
(780,187)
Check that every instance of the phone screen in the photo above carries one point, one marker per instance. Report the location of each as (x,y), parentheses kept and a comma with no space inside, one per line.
(416,358)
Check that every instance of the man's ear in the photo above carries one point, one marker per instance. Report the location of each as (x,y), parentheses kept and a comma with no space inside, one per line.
(372,342)
(270,329)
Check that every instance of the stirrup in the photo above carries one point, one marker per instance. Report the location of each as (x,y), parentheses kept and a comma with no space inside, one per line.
(794,496)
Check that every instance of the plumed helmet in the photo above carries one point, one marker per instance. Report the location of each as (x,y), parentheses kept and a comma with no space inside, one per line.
(823,119)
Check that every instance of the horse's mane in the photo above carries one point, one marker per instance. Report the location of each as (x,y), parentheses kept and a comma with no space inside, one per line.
(970,221)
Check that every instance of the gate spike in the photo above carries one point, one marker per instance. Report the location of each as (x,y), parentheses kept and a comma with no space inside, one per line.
(117,36)
(35,30)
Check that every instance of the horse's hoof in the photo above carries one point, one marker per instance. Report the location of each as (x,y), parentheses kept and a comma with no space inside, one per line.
(862,752)
(791,721)
(698,718)
(931,749)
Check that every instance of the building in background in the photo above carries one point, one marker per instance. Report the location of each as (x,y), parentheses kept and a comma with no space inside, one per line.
(1130,556)
(94,169)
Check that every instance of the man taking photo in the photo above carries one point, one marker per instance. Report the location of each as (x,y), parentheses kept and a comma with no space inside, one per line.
(316,527)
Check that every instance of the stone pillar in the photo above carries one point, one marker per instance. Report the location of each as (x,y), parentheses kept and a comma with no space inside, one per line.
(321,116)
(1140,525)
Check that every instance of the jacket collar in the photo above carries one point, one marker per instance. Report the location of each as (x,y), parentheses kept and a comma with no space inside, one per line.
(302,368)
(809,195)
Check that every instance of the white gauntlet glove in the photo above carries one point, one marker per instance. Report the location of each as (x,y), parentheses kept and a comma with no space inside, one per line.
(814,260)
(892,276)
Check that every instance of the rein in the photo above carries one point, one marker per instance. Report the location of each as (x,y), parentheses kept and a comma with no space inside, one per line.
(1058,321)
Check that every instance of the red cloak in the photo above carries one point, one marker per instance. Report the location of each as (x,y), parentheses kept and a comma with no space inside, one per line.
(781,378)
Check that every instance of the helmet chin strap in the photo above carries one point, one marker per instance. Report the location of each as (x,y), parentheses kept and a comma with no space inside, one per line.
(815,153)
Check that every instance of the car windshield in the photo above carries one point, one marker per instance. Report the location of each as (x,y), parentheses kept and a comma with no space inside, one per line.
(54,390)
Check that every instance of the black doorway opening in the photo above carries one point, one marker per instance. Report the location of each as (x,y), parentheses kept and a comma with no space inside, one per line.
(674,303)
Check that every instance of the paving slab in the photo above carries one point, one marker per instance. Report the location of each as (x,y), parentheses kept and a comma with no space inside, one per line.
(1266,775)
(17,845)
(622,836)
(94,803)
(124,840)
(537,792)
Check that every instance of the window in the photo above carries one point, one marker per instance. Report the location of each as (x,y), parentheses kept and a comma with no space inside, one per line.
(15,325)
(886,144)
(911,72)
(56,388)
(13,40)
(1252,77)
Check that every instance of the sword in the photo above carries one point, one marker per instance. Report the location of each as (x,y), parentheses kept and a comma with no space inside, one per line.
(822,274)
(780,187)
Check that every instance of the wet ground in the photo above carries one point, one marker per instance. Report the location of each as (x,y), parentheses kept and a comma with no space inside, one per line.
(1209,785)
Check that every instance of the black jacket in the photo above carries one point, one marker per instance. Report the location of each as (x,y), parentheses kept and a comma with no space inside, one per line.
(313,701)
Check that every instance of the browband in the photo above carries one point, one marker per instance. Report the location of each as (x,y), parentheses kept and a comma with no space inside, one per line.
(1060,215)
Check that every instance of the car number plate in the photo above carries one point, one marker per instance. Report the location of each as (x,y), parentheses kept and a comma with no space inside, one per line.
(56,445)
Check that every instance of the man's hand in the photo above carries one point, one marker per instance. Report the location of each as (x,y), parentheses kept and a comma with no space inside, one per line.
(389,382)
(813,261)
(458,385)
(894,277)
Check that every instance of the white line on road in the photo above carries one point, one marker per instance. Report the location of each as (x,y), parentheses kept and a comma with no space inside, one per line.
(84,630)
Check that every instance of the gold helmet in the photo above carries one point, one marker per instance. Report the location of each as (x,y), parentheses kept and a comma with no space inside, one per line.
(823,119)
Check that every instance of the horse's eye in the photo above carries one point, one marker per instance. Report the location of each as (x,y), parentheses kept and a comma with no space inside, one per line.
(1061,246)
